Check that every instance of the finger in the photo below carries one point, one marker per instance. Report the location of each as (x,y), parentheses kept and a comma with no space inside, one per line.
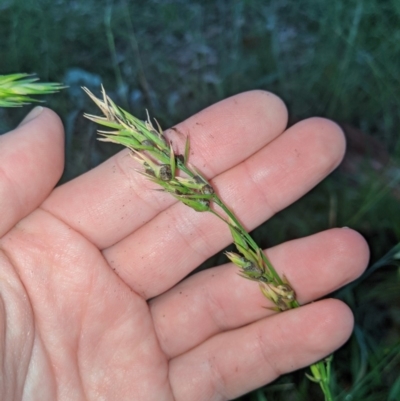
(222,300)
(233,363)
(177,241)
(31,163)
(111,201)
(93,332)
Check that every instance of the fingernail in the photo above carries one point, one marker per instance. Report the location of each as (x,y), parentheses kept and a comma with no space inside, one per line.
(31,115)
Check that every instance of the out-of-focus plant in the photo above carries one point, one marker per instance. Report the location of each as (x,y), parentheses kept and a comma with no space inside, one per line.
(17,89)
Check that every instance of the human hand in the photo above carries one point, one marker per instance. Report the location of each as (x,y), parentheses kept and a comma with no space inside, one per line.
(92,302)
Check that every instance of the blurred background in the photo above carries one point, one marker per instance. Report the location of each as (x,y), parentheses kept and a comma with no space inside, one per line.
(339,60)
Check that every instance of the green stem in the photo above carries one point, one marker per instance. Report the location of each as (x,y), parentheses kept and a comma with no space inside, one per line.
(248,238)
(321,373)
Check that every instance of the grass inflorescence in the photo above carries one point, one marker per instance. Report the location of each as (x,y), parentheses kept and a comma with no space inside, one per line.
(175,175)
(17,89)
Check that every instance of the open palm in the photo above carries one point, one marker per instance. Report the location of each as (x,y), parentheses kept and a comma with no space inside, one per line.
(93,301)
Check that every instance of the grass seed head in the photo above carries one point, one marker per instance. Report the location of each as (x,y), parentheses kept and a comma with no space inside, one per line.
(16,89)
(281,295)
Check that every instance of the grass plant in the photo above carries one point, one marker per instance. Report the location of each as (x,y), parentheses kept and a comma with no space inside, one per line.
(162,166)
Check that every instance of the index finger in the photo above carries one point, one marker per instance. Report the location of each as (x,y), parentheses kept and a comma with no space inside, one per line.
(111,201)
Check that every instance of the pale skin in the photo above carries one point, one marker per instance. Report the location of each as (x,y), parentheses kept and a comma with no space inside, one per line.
(93,300)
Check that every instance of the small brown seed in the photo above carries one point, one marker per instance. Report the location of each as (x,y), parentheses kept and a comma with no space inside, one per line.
(166,172)
(207,189)
(251,267)
(198,179)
